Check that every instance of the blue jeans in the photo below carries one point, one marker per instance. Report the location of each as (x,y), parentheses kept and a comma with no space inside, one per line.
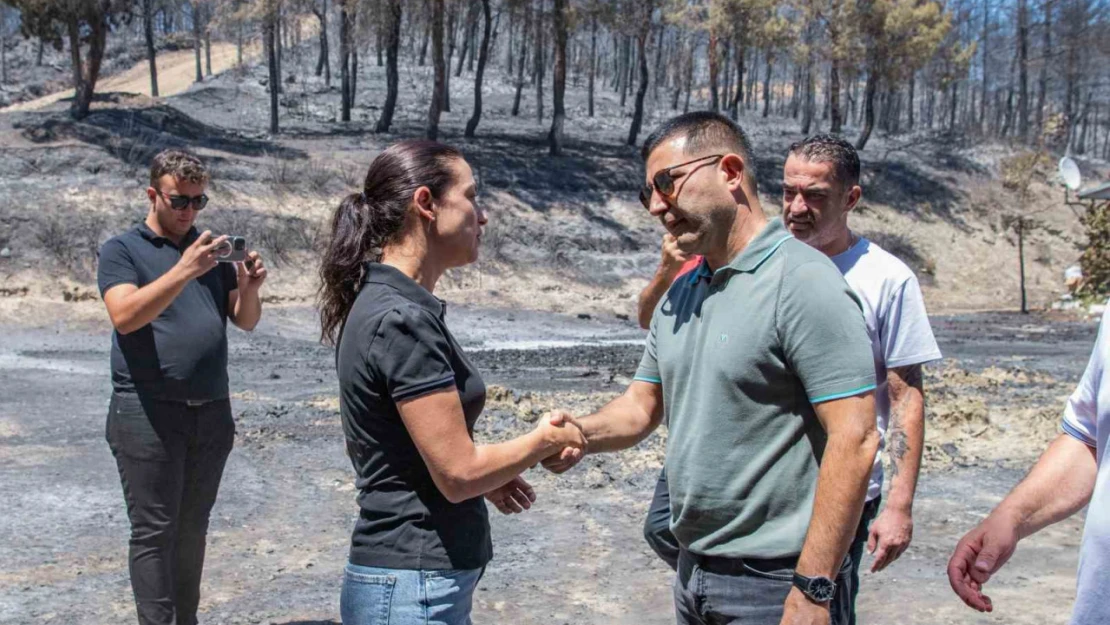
(377,596)
(719,591)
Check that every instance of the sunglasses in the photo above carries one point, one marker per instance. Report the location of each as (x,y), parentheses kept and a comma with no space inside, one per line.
(181,202)
(663,181)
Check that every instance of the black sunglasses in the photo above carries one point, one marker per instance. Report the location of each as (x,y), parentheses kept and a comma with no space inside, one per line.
(663,181)
(181,202)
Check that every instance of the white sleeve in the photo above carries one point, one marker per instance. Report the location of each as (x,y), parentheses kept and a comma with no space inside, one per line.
(907,338)
(1081,413)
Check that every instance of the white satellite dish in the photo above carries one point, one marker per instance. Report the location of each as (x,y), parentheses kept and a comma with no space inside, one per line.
(1069,173)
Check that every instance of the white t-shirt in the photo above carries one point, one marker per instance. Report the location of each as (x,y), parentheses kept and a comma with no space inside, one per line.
(896,321)
(1087,418)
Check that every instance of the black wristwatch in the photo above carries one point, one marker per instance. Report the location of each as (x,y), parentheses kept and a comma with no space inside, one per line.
(818,589)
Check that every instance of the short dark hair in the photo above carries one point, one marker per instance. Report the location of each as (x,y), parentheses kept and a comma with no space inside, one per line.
(180,164)
(704,130)
(825,148)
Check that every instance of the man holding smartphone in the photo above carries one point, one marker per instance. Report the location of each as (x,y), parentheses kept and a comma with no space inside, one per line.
(170,426)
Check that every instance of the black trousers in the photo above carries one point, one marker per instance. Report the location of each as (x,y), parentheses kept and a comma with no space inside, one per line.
(170,457)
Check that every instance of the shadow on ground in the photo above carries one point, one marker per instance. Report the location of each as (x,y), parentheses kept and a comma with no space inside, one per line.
(134,134)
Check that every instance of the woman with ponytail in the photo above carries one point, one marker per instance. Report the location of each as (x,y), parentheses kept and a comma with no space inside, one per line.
(409,397)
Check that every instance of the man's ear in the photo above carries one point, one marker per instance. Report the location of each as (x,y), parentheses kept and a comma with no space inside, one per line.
(152,195)
(735,169)
(854,195)
(422,200)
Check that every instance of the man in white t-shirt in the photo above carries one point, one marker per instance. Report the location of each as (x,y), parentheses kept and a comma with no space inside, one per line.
(820,188)
(1071,473)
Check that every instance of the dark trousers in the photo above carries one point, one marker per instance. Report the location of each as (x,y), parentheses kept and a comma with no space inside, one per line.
(657,526)
(719,591)
(870,511)
(657,532)
(170,457)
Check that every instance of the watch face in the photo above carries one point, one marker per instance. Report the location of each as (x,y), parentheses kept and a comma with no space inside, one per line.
(821,589)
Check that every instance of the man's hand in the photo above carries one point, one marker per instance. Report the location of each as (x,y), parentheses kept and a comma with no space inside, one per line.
(514,497)
(200,257)
(978,556)
(890,535)
(673,258)
(251,273)
(799,610)
(569,456)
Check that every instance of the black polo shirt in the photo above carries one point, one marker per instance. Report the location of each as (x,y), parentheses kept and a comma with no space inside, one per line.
(182,354)
(394,346)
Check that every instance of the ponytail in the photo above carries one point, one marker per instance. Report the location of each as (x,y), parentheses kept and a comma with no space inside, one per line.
(364,223)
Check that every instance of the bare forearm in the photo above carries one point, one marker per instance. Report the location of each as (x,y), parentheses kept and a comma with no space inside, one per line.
(652,293)
(143,306)
(1058,486)
(493,466)
(841,488)
(248,309)
(905,441)
(620,424)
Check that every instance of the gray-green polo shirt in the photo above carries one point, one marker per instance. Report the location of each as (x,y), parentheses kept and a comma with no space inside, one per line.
(742,355)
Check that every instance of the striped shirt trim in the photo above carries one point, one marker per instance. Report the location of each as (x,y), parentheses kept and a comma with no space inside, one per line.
(858,391)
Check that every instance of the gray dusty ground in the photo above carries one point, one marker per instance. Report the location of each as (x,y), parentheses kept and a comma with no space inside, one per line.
(280,528)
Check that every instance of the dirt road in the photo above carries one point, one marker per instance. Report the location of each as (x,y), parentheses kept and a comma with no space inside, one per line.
(176,73)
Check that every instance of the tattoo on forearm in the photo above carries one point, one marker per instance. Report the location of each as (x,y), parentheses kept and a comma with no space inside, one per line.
(902,378)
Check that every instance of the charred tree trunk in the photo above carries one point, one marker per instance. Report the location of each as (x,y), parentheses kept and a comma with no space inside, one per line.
(392,79)
(593,65)
(450,34)
(714,102)
(196,40)
(525,29)
(483,58)
(424,44)
(1023,71)
(148,33)
(738,98)
(539,65)
(438,62)
(323,63)
(345,61)
(869,92)
(270,48)
(770,60)
(558,113)
(1046,54)
(641,92)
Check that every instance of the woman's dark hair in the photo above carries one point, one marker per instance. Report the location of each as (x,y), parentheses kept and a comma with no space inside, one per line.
(366,222)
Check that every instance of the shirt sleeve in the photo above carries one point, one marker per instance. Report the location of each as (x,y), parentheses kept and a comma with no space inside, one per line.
(114,266)
(823,334)
(231,276)
(906,335)
(648,371)
(412,354)
(1081,413)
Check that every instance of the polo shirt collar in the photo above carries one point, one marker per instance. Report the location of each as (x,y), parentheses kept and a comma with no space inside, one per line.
(148,234)
(773,235)
(406,286)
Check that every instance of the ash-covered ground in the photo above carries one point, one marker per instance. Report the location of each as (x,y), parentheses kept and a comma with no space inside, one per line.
(281,526)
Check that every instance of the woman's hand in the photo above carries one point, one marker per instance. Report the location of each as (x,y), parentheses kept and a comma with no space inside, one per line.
(562,434)
(514,497)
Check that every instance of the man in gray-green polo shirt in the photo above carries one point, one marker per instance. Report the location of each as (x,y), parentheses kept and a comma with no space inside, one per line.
(762,362)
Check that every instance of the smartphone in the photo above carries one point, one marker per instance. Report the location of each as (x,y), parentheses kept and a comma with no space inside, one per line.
(232,250)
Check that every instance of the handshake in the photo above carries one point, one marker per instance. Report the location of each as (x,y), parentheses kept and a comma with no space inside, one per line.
(560,434)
